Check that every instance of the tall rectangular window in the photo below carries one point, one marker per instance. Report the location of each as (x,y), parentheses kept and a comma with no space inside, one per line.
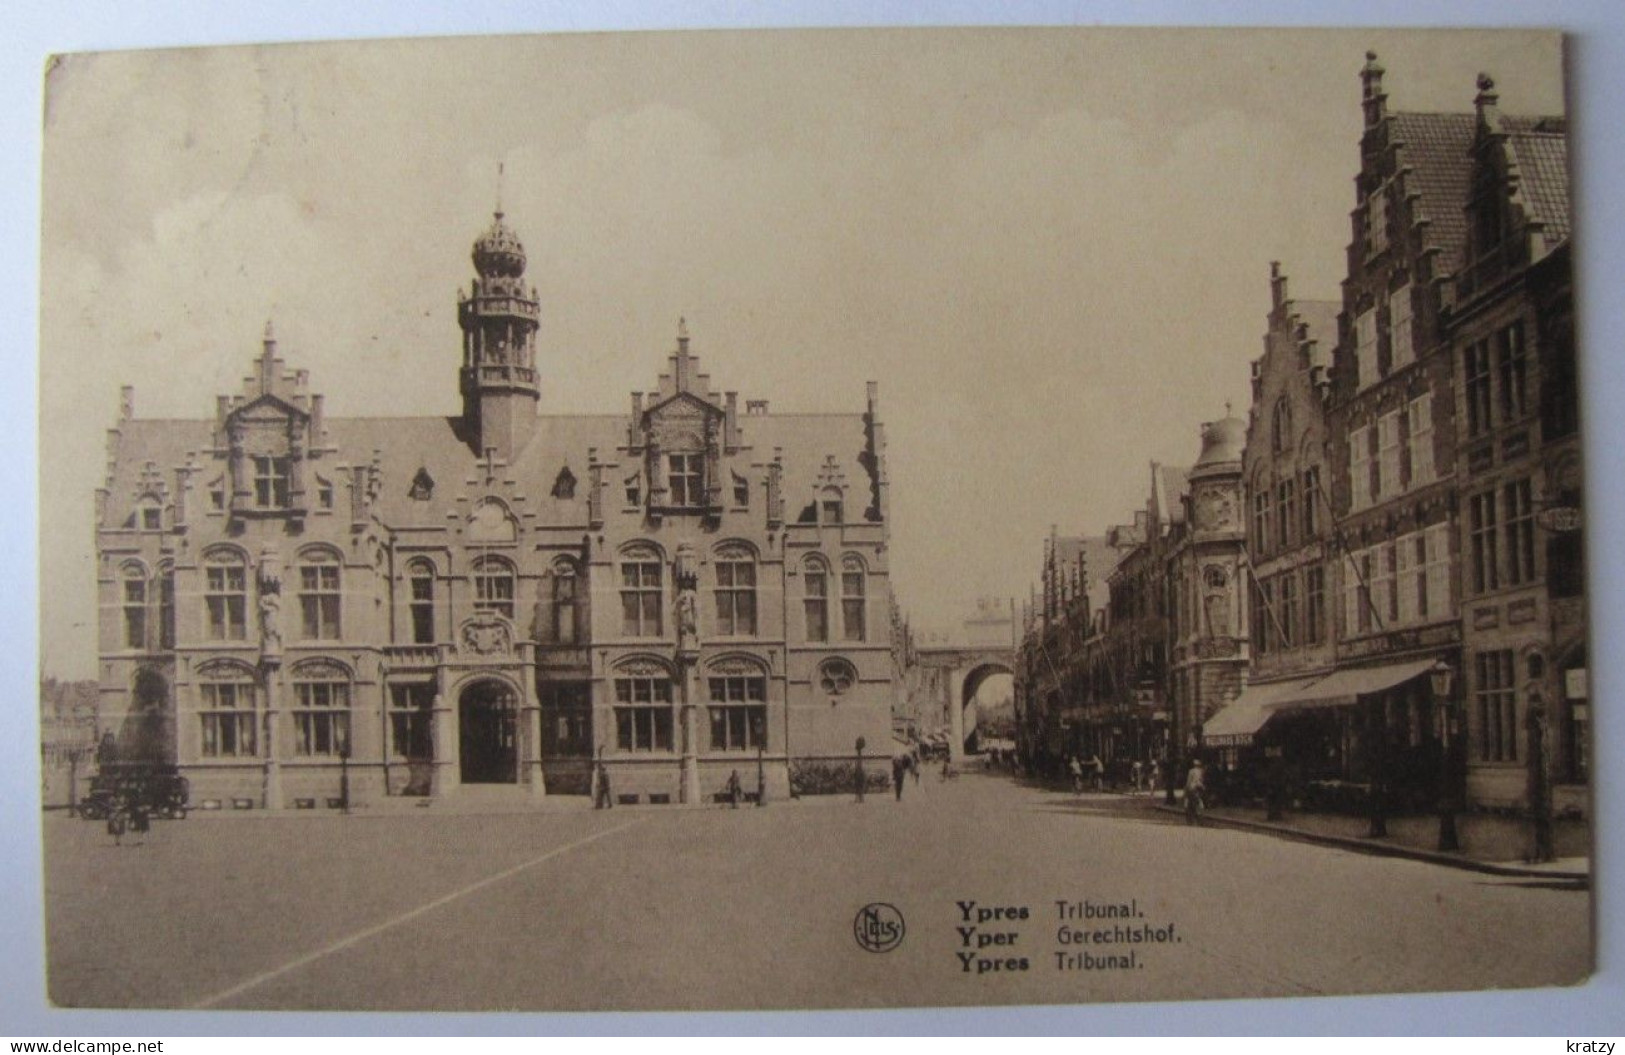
(1263,616)
(1519,508)
(1440,601)
(1381,574)
(566,718)
(1311,499)
(1377,220)
(494,586)
(226,710)
(687,479)
(1365,349)
(1486,562)
(640,598)
(411,721)
(738,713)
(1386,480)
(135,610)
(1360,451)
(736,597)
(270,482)
(565,623)
(1419,416)
(1476,384)
(853,615)
(643,714)
(1314,605)
(321,718)
(225,595)
(422,604)
(1513,365)
(815,601)
(319,599)
(166,609)
(1288,609)
(1401,339)
(1286,498)
(1261,519)
(1496,700)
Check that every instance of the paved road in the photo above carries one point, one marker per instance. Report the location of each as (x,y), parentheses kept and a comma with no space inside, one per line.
(680,909)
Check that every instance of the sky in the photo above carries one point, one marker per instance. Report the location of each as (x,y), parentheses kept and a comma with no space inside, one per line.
(1051,248)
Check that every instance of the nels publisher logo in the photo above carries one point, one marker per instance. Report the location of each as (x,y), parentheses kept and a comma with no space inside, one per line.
(878,927)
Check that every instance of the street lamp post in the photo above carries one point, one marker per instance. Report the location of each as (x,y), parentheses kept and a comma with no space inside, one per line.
(861,780)
(1440,679)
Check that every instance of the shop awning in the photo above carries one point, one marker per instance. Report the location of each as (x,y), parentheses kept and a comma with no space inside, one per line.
(1344,687)
(1245,715)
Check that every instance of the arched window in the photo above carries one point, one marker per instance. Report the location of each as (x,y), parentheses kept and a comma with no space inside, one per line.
(321,710)
(736,592)
(566,594)
(166,607)
(852,602)
(1281,425)
(493,586)
(319,596)
(640,593)
(226,702)
(815,598)
(134,582)
(225,593)
(420,576)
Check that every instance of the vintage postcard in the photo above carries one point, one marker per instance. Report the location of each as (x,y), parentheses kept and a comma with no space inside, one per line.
(812,519)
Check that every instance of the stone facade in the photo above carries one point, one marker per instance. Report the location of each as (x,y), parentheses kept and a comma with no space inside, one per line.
(293,605)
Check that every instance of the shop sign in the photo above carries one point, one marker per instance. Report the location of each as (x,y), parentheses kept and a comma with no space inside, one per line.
(1560,519)
(1404,640)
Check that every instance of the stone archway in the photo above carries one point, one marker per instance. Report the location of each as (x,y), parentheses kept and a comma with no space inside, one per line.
(144,735)
(488,733)
(960,672)
(970,684)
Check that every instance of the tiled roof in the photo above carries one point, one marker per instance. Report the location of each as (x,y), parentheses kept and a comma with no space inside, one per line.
(1541,152)
(1436,148)
(1174,485)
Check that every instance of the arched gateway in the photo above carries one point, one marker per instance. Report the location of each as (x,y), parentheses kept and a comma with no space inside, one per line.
(957,674)
(488,733)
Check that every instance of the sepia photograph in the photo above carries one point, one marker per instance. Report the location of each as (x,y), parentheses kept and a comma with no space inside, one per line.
(813,519)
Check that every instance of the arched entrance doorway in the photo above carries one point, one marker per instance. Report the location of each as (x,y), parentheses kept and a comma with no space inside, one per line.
(143,736)
(488,730)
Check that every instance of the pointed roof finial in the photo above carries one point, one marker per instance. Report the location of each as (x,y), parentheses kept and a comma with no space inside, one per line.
(682,328)
(270,332)
(499,189)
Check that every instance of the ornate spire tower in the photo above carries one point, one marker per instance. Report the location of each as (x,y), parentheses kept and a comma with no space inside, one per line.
(499,322)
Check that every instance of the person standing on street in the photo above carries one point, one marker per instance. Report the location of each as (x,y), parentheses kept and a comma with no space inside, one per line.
(899,773)
(1098,769)
(1195,788)
(1075,768)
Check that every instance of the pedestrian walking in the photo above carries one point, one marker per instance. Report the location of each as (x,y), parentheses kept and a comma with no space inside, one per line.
(1098,769)
(1075,768)
(601,799)
(735,790)
(899,773)
(1156,775)
(1195,789)
(914,763)
(1137,771)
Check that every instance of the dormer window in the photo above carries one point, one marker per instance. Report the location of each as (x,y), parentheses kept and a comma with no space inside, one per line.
(564,485)
(270,482)
(830,510)
(741,490)
(217,495)
(634,490)
(422,486)
(149,516)
(687,479)
(324,493)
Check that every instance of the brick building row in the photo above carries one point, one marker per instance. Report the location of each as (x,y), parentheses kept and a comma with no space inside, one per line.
(1408,487)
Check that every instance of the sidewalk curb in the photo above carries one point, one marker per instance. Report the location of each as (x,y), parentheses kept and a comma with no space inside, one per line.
(1382,849)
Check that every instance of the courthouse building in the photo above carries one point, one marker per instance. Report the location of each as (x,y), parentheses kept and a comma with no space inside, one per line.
(295,606)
